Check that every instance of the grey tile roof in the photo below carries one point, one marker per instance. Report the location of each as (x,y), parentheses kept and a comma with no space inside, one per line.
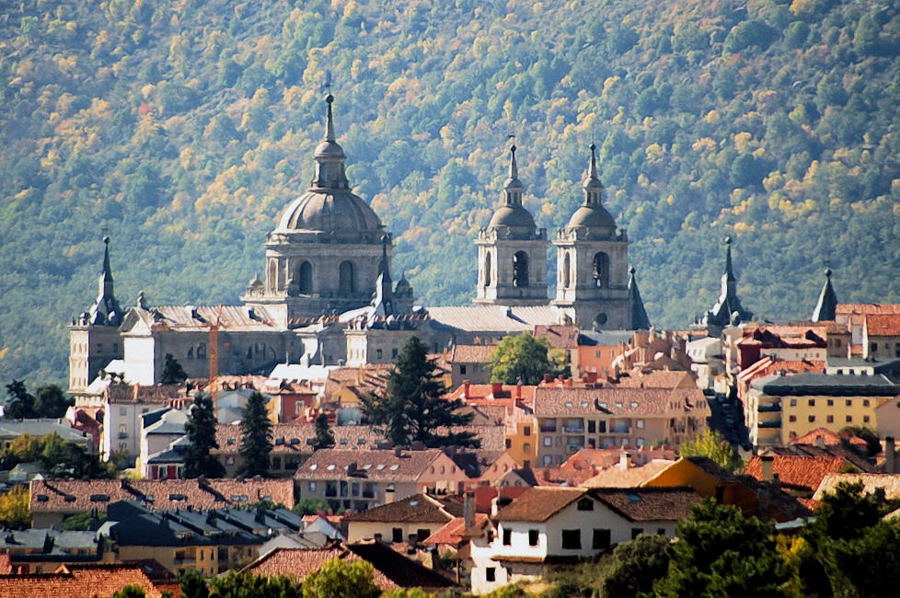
(827,384)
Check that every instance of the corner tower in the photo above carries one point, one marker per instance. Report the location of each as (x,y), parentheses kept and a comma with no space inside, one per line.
(512,252)
(324,255)
(592,263)
(728,309)
(94,337)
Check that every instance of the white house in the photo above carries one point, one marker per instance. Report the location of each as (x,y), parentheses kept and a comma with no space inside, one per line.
(547,526)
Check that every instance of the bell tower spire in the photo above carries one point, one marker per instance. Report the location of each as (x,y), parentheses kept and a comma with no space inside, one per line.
(826,306)
(513,187)
(593,188)
(329,156)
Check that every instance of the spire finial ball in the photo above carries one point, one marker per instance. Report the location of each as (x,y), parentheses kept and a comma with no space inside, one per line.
(106,240)
(633,270)
(828,272)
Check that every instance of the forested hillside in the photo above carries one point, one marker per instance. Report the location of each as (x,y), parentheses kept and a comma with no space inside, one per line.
(182,128)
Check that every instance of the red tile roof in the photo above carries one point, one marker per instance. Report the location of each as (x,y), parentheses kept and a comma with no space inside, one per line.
(562,402)
(300,563)
(868,308)
(803,473)
(79,496)
(77,581)
(654,379)
(471,353)
(883,324)
(829,438)
(454,532)
(381,465)
(649,504)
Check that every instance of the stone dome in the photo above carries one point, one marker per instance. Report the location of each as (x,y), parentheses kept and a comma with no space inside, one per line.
(329,210)
(593,216)
(514,216)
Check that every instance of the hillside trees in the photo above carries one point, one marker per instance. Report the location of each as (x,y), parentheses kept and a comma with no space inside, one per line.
(200,130)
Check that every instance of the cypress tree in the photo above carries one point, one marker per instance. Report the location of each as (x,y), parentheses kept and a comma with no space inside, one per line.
(414,409)
(172,372)
(201,432)
(256,441)
(324,435)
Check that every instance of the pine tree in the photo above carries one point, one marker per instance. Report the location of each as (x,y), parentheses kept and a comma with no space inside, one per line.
(172,372)
(256,441)
(414,409)
(201,432)
(324,435)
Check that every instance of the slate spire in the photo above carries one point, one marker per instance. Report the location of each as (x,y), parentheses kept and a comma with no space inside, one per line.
(105,310)
(826,306)
(329,156)
(637,315)
(593,188)
(513,187)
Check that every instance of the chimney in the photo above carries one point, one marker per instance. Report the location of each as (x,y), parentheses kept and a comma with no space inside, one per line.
(388,495)
(469,510)
(466,390)
(890,458)
(496,389)
(767,475)
(378,538)
(519,390)
(820,441)
(623,460)
(546,378)
(398,451)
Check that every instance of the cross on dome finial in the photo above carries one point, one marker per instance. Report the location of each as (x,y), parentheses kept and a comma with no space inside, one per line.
(329,119)
(513,167)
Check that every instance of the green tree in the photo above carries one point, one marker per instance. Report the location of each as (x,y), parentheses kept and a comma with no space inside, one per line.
(130,591)
(51,402)
(720,552)
(311,506)
(20,404)
(414,408)
(83,521)
(339,578)
(193,585)
(849,549)
(243,584)
(201,433)
(14,513)
(324,436)
(256,440)
(521,358)
(172,372)
(636,566)
(711,444)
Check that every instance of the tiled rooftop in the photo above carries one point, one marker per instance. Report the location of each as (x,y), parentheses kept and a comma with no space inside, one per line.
(883,324)
(890,483)
(562,402)
(649,504)
(471,353)
(418,508)
(539,504)
(77,581)
(617,477)
(798,471)
(78,496)
(382,465)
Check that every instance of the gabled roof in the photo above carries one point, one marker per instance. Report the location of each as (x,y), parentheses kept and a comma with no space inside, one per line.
(455,533)
(77,581)
(418,508)
(800,472)
(828,438)
(883,325)
(649,504)
(539,504)
(471,353)
(617,477)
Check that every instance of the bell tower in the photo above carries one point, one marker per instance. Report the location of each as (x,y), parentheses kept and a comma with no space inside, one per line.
(512,252)
(592,263)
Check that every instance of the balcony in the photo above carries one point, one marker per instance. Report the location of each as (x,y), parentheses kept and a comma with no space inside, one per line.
(769,408)
(548,429)
(619,430)
(772,424)
(185,560)
(573,429)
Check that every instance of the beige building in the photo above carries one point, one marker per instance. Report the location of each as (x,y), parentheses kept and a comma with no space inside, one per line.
(571,419)
(787,406)
(360,479)
(412,519)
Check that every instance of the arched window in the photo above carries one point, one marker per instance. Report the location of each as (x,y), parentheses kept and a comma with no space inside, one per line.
(567,271)
(346,278)
(304,278)
(201,351)
(520,269)
(601,270)
(272,278)
(487,269)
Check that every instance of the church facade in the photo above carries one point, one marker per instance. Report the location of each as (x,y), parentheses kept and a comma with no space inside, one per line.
(328,298)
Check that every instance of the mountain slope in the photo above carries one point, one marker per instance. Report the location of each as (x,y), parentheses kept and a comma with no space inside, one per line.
(182,128)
